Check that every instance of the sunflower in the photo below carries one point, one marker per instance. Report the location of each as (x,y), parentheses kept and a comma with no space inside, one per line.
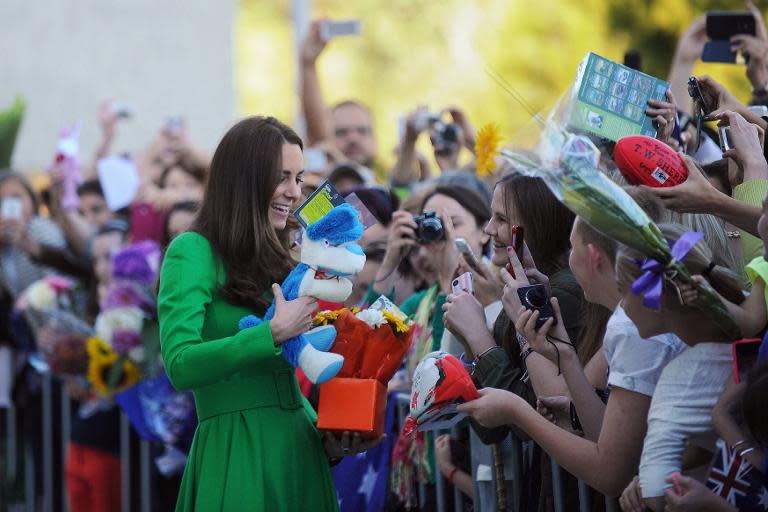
(102,359)
(486,148)
(327,316)
(398,325)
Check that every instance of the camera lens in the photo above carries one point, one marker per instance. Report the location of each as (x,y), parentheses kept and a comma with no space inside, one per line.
(536,298)
(431,229)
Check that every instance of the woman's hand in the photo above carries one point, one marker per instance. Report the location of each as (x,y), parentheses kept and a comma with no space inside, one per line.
(292,317)
(695,496)
(446,255)
(746,140)
(631,499)
(488,287)
(443,453)
(663,114)
(494,408)
(464,316)
(339,445)
(557,409)
(402,238)
(544,340)
(695,195)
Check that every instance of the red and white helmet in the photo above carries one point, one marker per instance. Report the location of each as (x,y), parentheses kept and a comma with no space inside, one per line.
(440,381)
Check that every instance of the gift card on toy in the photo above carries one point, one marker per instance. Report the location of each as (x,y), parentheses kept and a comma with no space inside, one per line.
(383,303)
(318,204)
(366,217)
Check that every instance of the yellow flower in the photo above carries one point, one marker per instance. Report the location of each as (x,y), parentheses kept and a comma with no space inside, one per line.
(101,360)
(486,148)
(327,316)
(398,325)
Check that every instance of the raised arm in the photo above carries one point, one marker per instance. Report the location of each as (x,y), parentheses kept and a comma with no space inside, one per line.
(312,103)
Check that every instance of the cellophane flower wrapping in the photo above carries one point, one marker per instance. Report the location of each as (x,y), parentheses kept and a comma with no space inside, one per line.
(569,163)
(52,307)
(373,343)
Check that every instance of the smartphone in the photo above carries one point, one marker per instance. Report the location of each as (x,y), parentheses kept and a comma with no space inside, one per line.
(468,253)
(463,284)
(721,26)
(720,51)
(147,223)
(10,208)
(536,298)
(174,124)
(724,25)
(315,160)
(744,357)
(330,28)
(122,110)
(518,239)
(724,134)
(694,91)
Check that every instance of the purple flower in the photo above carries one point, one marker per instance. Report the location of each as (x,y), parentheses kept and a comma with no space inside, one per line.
(123,341)
(127,293)
(138,262)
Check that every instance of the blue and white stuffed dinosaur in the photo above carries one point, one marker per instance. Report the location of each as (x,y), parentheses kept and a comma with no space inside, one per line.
(330,255)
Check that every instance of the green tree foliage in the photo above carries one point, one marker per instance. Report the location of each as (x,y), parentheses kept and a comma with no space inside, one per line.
(437,54)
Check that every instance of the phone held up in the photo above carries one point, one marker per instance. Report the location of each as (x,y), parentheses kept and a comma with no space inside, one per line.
(463,284)
(518,238)
(11,208)
(721,26)
(745,354)
(536,298)
(468,254)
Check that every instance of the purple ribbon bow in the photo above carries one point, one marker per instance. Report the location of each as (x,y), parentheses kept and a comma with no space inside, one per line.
(650,283)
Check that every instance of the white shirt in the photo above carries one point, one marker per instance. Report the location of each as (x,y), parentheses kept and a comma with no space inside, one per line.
(635,363)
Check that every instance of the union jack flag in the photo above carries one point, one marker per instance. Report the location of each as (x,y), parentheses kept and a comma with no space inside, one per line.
(737,481)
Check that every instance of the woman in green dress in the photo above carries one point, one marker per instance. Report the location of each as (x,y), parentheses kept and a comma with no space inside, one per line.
(256,447)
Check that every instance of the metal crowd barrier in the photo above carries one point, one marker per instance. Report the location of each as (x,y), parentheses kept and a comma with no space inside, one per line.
(585,504)
(19,452)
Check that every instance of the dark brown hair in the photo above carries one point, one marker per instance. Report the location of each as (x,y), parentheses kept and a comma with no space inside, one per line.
(188,164)
(234,215)
(645,199)
(546,221)
(470,200)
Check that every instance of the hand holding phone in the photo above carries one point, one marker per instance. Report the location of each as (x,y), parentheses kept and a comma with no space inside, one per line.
(463,284)
(330,28)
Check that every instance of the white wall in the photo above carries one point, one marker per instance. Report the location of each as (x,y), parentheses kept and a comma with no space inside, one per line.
(162,57)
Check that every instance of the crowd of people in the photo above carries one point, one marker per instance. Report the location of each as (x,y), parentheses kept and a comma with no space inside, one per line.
(654,407)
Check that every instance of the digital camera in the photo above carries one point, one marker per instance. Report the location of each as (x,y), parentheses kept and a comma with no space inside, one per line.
(445,138)
(535,298)
(429,227)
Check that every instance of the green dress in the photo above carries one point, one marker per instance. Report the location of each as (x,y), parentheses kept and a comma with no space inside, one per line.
(256,447)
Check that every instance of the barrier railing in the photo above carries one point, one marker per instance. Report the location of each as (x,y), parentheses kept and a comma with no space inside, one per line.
(19,467)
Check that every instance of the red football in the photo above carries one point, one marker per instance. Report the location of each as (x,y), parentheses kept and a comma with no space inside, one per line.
(644,160)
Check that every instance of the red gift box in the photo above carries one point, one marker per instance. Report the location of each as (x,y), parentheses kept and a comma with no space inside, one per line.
(357,405)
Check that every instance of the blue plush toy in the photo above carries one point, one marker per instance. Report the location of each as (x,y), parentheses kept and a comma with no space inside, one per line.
(330,255)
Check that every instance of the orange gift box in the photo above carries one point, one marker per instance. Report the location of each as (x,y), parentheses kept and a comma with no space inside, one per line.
(357,405)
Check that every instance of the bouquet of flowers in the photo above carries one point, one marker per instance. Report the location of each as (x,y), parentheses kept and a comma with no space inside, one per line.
(373,343)
(50,308)
(569,164)
(126,343)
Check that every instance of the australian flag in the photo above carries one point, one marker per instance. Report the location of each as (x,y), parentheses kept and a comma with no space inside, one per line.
(737,481)
(362,480)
